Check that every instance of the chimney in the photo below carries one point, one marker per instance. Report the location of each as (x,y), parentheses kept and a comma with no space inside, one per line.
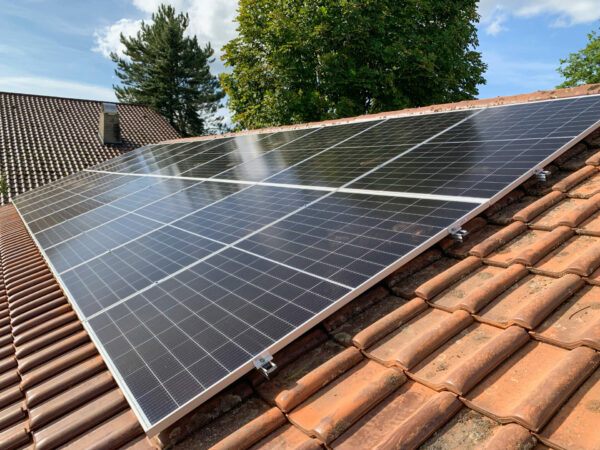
(109,131)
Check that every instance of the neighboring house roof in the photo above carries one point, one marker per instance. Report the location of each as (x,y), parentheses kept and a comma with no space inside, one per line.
(46,138)
(503,328)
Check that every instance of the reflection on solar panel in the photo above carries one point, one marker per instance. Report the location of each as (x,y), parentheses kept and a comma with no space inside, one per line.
(186,262)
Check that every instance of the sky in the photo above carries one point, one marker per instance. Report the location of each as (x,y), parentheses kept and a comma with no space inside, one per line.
(61,48)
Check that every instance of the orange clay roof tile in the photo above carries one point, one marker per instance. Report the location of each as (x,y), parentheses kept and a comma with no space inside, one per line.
(529,301)
(469,429)
(574,179)
(478,288)
(575,426)
(576,322)
(468,357)
(503,324)
(529,247)
(579,255)
(403,420)
(407,346)
(335,408)
(531,385)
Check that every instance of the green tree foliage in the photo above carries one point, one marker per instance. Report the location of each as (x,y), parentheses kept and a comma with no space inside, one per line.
(582,67)
(169,72)
(309,60)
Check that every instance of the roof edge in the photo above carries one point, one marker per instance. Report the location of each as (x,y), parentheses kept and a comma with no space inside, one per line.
(22,94)
(553,94)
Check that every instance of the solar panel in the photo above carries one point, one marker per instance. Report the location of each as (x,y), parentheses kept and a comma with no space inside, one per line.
(183,282)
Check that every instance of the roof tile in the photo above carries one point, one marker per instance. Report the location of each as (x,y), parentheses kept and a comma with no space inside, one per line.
(403,420)
(316,379)
(529,247)
(498,239)
(253,431)
(349,329)
(532,384)
(575,426)
(576,322)
(406,287)
(470,430)
(468,357)
(529,301)
(389,323)
(478,288)
(569,212)
(534,209)
(462,250)
(73,424)
(437,284)
(579,255)
(287,437)
(574,179)
(407,346)
(587,188)
(331,411)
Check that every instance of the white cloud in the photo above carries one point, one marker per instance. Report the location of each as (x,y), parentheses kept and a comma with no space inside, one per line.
(494,13)
(56,88)
(210,21)
(109,38)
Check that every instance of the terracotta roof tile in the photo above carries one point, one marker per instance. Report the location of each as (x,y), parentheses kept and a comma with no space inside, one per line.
(45,138)
(530,386)
(404,420)
(576,322)
(287,437)
(574,179)
(468,357)
(407,346)
(406,287)
(579,255)
(478,288)
(575,426)
(470,430)
(529,247)
(529,301)
(331,411)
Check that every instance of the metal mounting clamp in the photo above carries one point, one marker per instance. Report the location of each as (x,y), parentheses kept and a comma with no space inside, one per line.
(458,234)
(542,175)
(265,365)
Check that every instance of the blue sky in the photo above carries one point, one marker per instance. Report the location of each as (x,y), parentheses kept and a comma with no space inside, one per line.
(61,47)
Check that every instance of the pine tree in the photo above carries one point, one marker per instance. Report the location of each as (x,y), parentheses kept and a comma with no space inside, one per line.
(170,73)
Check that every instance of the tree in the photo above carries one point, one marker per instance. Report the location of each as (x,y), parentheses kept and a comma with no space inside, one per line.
(169,72)
(311,60)
(582,67)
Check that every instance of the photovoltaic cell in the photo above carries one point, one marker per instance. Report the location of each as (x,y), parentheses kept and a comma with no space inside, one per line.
(469,169)
(245,212)
(113,276)
(273,162)
(337,166)
(349,238)
(174,341)
(241,149)
(98,241)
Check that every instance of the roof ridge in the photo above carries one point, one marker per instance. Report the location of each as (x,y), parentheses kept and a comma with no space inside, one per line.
(24,94)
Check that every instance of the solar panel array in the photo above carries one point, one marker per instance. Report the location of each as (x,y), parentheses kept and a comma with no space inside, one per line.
(188,261)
